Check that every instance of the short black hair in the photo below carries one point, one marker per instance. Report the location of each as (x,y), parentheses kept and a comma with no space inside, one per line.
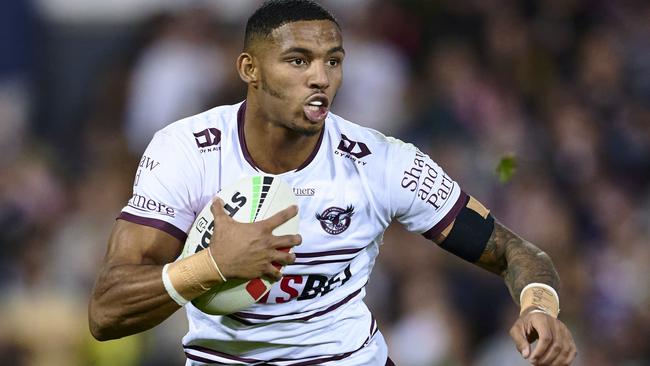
(275,13)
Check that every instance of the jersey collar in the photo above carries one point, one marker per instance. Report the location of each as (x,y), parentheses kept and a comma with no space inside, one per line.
(241,114)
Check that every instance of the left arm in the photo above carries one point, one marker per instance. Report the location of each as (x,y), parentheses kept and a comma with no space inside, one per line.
(519,263)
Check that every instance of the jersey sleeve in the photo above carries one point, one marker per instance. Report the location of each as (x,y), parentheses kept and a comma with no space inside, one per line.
(422,196)
(163,189)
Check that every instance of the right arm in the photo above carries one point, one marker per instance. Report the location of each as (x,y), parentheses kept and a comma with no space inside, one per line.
(129,296)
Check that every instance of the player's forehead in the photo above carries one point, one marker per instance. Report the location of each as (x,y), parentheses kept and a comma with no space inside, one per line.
(313,35)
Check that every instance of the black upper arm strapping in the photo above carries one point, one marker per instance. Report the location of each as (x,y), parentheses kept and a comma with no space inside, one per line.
(469,235)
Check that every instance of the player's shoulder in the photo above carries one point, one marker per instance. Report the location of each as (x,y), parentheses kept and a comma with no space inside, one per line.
(359,140)
(203,129)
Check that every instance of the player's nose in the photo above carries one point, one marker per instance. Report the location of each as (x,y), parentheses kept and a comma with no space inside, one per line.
(318,78)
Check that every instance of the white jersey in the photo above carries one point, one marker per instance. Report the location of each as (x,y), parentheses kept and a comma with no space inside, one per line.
(349,190)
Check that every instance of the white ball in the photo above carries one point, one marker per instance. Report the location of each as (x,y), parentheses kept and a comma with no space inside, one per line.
(250,199)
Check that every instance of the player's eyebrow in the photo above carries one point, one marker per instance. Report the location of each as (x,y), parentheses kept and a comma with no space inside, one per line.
(308,52)
(336,49)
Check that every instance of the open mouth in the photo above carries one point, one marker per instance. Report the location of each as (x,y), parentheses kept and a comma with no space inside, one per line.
(317,108)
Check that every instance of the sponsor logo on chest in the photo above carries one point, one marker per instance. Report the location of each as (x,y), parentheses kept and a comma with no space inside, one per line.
(306,287)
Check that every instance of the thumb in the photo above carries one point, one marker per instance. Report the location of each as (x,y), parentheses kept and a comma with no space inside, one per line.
(518,334)
(217,208)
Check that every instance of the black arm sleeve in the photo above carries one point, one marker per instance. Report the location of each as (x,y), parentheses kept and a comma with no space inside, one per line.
(469,235)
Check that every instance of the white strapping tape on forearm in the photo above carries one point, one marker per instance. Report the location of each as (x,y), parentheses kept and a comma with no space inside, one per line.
(223,278)
(192,276)
(180,300)
(541,296)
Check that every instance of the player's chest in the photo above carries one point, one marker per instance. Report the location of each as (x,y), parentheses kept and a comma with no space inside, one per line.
(337,209)
(335,215)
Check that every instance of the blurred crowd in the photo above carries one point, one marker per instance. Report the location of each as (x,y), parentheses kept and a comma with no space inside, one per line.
(562,86)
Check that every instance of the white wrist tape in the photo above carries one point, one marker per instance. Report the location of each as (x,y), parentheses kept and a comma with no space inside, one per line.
(541,296)
(180,300)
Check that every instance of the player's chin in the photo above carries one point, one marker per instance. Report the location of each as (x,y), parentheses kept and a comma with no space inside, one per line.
(308,128)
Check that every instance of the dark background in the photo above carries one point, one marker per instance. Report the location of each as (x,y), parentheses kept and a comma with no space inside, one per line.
(561,85)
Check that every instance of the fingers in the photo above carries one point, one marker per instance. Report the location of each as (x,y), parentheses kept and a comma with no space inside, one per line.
(283,258)
(518,334)
(555,345)
(273,273)
(281,217)
(285,241)
(572,351)
(256,251)
(545,340)
(554,350)
(562,352)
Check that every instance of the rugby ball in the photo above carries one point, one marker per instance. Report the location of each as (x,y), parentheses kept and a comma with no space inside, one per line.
(250,199)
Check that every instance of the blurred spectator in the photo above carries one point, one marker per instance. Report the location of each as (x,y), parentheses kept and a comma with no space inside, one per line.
(18,27)
(375,102)
(174,77)
(563,86)
(425,334)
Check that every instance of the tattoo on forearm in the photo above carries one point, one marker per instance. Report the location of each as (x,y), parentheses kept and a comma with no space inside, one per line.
(517,261)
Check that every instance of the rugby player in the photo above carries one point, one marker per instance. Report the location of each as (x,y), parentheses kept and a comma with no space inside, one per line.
(351,182)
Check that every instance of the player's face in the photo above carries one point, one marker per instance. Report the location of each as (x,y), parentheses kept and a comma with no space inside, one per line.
(300,72)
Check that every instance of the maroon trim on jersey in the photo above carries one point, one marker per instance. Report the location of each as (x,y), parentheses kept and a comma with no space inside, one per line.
(313,360)
(449,218)
(241,316)
(326,254)
(318,361)
(373,325)
(241,117)
(311,156)
(156,224)
(313,263)
(201,359)
(220,354)
(329,252)
(390,362)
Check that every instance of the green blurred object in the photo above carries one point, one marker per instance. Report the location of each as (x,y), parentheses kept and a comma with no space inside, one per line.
(506,167)
(127,351)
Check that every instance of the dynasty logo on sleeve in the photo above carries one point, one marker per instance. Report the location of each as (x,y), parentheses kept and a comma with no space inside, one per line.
(208,140)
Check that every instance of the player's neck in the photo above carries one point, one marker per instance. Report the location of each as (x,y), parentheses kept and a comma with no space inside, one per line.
(276,149)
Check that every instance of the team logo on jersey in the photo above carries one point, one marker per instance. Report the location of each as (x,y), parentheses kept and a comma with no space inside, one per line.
(353,150)
(208,140)
(336,220)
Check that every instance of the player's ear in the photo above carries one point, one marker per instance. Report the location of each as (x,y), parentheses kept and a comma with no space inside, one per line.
(247,68)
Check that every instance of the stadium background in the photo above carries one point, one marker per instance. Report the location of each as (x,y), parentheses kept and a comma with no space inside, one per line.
(563,85)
